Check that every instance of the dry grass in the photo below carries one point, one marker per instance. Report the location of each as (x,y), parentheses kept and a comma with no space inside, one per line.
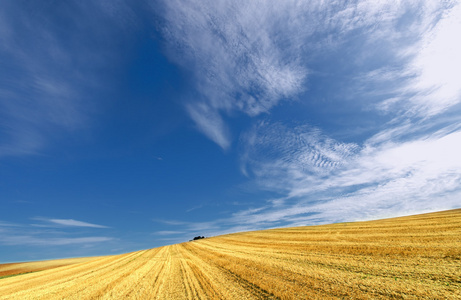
(417,257)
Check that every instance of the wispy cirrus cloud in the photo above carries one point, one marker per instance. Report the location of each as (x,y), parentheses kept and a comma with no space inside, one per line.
(409,165)
(370,181)
(210,123)
(70,223)
(300,149)
(437,66)
(321,180)
(16,234)
(250,56)
(28,240)
(402,60)
(426,84)
(235,53)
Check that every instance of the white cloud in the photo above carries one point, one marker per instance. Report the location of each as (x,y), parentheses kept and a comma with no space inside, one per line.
(12,234)
(74,223)
(422,75)
(437,66)
(210,123)
(376,180)
(8,224)
(38,241)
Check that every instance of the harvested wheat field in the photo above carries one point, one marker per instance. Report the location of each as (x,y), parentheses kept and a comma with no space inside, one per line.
(416,257)
(14,269)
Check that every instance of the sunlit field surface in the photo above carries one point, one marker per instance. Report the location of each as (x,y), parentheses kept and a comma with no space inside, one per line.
(416,257)
(15,269)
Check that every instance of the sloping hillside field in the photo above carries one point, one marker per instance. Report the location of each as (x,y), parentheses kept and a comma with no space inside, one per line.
(404,258)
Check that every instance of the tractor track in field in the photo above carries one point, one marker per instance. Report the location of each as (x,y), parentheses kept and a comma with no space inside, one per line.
(255,290)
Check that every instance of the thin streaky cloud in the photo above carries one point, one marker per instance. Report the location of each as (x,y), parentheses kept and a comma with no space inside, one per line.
(9,224)
(43,241)
(55,234)
(51,222)
(74,223)
(210,123)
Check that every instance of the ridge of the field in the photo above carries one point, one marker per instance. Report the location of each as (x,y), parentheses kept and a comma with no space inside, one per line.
(414,257)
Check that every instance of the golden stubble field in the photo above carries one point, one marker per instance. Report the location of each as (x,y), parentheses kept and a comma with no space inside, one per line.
(416,257)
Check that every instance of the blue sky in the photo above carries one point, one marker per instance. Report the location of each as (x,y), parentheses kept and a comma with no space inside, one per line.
(127,125)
